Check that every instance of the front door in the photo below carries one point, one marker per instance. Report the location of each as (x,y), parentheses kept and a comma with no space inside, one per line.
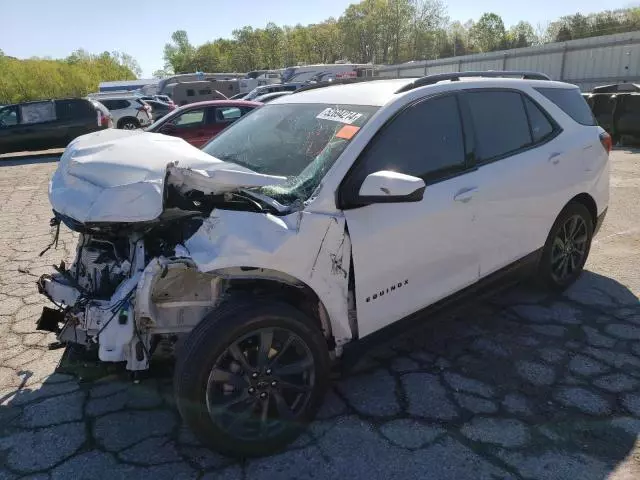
(10,138)
(409,255)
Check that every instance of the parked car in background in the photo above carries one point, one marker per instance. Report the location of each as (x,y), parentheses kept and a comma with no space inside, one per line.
(197,123)
(239,96)
(50,124)
(159,109)
(276,87)
(157,98)
(129,112)
(267,97)
(164,98)
(184,93)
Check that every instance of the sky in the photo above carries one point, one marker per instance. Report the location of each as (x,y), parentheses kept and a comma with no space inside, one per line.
(141,28)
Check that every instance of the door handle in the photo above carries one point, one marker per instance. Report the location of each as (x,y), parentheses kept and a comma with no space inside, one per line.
(465,194)
(554,158)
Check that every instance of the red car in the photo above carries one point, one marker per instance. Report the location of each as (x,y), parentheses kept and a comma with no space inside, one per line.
(198,122)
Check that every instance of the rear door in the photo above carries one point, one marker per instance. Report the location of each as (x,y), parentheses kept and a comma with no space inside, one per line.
(75,117)
(219,118)
(520,169)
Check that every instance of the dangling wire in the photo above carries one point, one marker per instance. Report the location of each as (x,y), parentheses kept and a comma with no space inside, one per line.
(55,222)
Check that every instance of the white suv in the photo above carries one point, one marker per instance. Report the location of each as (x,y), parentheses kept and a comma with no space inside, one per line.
(128,112)
(317,220)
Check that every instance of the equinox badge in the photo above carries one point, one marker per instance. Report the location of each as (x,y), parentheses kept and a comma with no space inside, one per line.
(388,290)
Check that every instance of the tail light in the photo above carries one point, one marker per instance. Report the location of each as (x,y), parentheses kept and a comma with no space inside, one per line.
(103,120)
(606,141)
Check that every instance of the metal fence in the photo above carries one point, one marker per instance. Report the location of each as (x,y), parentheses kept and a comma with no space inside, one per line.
(587,62)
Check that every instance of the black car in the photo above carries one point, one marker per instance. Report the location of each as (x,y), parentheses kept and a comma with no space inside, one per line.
(49,123)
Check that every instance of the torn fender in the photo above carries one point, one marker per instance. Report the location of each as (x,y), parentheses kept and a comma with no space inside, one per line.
(311,247)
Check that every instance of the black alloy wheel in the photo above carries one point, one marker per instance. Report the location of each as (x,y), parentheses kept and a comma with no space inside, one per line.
(251,375)
(260,382)
(569,248)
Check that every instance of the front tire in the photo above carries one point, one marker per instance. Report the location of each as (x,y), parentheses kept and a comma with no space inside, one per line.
(567,248)
(250,377)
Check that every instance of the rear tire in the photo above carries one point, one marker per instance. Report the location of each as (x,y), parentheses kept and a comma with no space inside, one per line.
(128,124)
(250,376)
(567,248)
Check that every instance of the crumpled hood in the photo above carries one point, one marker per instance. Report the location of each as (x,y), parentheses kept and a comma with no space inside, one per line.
(119,175)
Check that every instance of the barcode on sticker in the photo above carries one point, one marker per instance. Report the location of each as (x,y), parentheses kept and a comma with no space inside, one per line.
(339,115)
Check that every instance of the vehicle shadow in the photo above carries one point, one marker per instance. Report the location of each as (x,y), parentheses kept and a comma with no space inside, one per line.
(517,384)
(532,381)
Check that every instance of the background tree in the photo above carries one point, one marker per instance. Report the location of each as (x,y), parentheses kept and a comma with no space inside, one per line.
(522,35)
(488,33)
(382,31)
(179,54)
(77,75)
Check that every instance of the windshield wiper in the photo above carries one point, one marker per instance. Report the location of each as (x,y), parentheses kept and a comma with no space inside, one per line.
(267,201)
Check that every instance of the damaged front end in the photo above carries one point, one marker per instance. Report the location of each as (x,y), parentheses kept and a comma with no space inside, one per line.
(153,269)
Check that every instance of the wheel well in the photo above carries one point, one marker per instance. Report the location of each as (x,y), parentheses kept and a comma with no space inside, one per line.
(300,296)
(588,201)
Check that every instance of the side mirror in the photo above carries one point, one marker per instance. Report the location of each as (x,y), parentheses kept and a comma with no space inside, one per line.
(387,187)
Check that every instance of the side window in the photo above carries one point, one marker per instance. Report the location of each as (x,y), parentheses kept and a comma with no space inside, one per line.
(500,123)
(190,92)
(192,118)
(38,112)
(8,117)
(227,114)
(108,104)
(73,109)
(571,102)
(426,140)
(541,127)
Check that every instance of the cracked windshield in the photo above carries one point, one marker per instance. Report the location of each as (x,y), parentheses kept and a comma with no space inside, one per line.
(363,239)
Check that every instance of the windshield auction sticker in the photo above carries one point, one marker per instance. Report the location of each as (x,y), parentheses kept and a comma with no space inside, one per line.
(347,132)
(339,115)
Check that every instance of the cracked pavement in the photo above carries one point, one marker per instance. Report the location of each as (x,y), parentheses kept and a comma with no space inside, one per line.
(518,385)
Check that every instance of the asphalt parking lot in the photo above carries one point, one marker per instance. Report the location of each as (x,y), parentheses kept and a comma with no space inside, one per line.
(520,385)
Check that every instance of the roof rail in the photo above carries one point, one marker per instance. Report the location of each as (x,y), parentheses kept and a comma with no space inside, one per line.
(456,76)
(337,81)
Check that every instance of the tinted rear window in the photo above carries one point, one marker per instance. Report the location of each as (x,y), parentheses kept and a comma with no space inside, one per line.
(571,102)
(74,109)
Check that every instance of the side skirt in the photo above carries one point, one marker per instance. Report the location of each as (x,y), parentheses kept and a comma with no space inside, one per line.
(486,287)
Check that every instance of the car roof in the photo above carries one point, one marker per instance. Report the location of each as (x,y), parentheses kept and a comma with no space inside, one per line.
(379,92)
(222,103)
(217,103)
(375,92)
(281,93)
